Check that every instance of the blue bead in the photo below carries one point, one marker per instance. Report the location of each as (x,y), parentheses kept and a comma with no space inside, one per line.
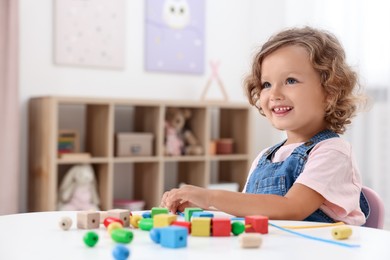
(147,214)
(120,252)
(155,235)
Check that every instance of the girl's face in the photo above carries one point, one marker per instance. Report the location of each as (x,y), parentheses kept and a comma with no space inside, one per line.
(292,97)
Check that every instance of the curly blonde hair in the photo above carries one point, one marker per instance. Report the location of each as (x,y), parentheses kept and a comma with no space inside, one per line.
(327,56)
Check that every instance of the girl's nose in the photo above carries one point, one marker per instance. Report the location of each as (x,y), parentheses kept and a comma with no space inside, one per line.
(276,93)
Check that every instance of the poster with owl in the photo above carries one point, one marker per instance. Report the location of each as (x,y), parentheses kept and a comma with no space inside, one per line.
(174,37)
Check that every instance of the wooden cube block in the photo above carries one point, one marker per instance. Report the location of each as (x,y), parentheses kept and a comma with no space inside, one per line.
(221,227)
(103,215)
(173,237)
(163,220)
(88,220)
(189,211)
(250,240)
(157,210)
(122,214)
(185,224)
(200,227)
(202,214)
(257,224)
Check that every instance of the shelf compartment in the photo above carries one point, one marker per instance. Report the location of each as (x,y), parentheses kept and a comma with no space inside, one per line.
(226,171)
(138,181)
(139,119)
(190,172)
(103,181)
(87,118)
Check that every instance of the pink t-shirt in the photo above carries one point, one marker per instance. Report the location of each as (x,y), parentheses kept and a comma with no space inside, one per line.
(331,171)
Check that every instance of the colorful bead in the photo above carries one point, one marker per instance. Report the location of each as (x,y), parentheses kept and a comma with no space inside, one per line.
(147,214)
(134,220)
(155,235)
(342,232)
(121,235)
(112,226)
(91,238)
(238,228)
(120,252)
(109,220)
(146,224)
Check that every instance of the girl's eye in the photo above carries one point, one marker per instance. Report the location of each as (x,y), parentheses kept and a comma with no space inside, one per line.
(266,85)
(291,81)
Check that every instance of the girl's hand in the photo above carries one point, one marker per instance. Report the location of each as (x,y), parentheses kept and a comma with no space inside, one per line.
(186,196)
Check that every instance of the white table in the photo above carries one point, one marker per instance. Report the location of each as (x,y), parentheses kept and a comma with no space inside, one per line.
(38,236)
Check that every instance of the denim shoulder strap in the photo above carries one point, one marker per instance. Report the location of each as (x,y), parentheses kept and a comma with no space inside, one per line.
(306,147)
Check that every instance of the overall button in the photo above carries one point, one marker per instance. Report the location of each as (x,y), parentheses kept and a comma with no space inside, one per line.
(308,143)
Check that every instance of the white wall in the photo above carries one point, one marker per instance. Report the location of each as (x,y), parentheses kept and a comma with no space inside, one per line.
(233,29)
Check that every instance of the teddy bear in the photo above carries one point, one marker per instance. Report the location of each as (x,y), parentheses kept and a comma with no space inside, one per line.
(78,189)
(179,139)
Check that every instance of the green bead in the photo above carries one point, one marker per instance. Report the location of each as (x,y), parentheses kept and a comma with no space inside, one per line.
(121,235)
(146,224)
(238,228)
(91,238)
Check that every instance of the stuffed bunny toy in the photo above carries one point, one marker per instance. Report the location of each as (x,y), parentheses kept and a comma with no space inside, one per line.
(78,189)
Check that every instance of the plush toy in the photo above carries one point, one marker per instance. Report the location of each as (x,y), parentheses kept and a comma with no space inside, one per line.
(179,139)
(78,189)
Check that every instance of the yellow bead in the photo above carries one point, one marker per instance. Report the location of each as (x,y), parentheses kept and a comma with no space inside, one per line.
(342,232)
(134,220)
(112,226)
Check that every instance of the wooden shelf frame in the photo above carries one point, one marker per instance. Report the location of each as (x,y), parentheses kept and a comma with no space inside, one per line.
(99,119)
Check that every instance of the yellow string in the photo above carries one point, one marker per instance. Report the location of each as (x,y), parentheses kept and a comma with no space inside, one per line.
(315,226)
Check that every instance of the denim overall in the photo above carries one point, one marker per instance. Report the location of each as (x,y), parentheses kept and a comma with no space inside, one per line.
(277,178)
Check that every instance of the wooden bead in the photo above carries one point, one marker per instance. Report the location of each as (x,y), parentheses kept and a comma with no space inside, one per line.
(121,235)
(120,252)
(108,220)
(134,220)
(112,226)
(65,223)
(238,228)
(91,238)
(250,240)
(342,232)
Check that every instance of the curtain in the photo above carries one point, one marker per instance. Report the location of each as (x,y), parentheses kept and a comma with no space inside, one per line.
(9,108)
(362,27)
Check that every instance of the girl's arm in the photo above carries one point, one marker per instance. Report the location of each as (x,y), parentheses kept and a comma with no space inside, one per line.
(297,204)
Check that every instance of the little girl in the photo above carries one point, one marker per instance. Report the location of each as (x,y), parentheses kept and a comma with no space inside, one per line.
(300,81)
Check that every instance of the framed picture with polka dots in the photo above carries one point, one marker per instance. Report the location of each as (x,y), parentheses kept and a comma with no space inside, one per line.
(174,36)
(90,33)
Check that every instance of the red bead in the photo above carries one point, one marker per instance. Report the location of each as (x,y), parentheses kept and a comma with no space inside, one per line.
(109,220)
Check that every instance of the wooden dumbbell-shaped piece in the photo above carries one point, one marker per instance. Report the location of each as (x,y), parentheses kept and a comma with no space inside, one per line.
(250,240)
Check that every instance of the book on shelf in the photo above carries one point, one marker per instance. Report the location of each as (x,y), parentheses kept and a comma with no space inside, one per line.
(75,156)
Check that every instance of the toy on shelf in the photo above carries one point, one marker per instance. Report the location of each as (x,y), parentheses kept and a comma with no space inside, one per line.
(78,189)
(179,139)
